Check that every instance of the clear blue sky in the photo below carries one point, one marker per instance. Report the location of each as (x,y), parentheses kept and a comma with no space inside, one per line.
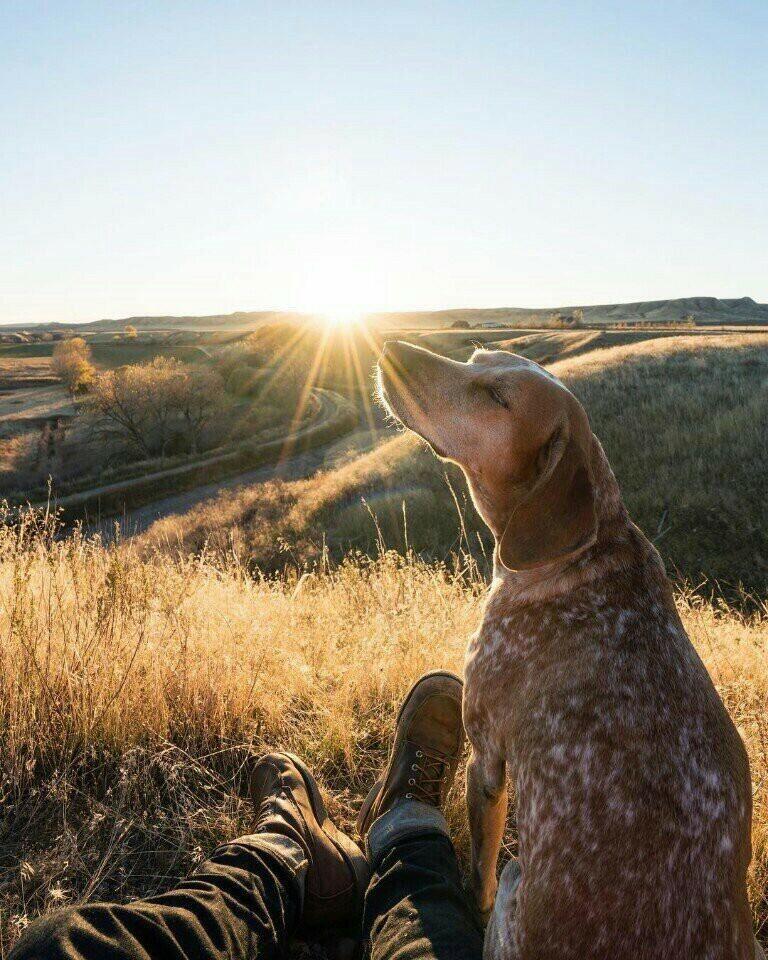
(203,157)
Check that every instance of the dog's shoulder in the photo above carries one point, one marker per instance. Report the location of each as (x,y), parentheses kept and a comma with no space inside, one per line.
(610,653)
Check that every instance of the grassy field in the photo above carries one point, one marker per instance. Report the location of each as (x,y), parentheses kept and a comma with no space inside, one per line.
(105,354)
(105,798)
(49,443)
(19,367)
(681,418)
(34,403)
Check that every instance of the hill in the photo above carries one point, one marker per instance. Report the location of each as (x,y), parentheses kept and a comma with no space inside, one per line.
(743,311)
(240,320)
(681,419)
(704,310)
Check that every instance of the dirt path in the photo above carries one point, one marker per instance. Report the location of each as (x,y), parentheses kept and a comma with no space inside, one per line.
(137,521)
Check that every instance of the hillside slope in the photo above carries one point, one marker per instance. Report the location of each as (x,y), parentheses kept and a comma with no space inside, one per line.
(682,421)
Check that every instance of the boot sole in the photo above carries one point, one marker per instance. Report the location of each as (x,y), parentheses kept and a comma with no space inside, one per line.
(370,800)
(352,854)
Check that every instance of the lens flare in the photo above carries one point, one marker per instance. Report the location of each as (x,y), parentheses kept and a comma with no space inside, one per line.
(341,319)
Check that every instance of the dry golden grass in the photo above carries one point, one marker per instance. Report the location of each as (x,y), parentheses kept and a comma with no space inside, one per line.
(20,367)
(135,684)
(133,692)
(35,403)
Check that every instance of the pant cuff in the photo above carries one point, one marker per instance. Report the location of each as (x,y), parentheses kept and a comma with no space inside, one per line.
(407,819)
(287,851)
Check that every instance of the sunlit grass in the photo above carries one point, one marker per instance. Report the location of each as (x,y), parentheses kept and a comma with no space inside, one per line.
(133,692)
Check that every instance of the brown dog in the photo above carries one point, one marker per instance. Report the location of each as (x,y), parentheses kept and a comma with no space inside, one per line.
(632,784)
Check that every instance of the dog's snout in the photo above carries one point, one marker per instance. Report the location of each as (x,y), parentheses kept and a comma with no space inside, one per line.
(395,350)
(404,358)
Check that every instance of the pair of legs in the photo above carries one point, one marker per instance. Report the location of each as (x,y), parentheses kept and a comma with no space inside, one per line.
(296,871)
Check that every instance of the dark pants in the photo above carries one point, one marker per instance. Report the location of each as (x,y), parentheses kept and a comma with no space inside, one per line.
(245,902)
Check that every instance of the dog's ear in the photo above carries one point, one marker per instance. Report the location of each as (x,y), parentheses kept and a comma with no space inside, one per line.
(558,515)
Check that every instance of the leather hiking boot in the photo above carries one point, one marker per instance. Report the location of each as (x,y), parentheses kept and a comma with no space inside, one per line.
(429,739)
(288,802)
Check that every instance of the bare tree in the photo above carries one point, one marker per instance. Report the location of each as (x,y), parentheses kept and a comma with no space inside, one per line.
(197,398)
(146,406)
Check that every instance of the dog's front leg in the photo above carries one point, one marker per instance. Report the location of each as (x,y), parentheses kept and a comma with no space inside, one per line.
(487,809)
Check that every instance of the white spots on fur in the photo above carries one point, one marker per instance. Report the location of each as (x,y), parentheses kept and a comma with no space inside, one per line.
(625,620)
(626,816)
(558,753)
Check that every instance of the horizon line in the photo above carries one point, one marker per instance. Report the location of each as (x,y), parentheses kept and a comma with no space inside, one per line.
(378,313)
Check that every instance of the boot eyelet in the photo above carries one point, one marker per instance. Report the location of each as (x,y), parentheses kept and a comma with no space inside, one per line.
(411,783)
(419,754)
(409,796)
(414,766)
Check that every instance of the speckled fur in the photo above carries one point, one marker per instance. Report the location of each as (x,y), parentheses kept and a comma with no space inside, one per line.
(632,784)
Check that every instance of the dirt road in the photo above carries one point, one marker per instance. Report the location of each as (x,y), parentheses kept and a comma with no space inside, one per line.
(137,521)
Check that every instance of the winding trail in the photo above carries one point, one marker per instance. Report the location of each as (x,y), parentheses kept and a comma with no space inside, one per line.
(136,521)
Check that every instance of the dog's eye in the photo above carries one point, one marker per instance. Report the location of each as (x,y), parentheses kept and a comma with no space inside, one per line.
(494,394)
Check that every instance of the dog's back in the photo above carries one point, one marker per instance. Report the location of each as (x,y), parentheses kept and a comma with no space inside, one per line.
(633,789)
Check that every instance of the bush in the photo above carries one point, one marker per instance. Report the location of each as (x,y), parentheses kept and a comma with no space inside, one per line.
(71,361)
(244,381)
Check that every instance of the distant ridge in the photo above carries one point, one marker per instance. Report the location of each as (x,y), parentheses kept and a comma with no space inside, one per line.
(237,320)
(704,310)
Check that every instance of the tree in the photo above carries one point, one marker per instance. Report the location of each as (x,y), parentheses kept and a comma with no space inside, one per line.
(145,407)
(130,332)
(195,396)
(71,362)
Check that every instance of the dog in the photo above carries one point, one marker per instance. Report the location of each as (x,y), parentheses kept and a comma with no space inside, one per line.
(632,785)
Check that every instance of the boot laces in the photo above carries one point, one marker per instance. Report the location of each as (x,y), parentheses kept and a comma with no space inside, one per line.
(265,810)
(428,774)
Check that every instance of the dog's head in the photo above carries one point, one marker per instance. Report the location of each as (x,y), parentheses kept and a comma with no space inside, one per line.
(522,439)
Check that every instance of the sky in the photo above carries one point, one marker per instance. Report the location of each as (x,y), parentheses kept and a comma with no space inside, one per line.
(204,157)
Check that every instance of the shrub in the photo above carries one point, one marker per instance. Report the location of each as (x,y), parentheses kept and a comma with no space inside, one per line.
(71,361)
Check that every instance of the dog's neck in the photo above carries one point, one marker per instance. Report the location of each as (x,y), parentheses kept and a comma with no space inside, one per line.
(612,541)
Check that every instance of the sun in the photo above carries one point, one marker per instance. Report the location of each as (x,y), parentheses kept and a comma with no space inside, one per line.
(334,338)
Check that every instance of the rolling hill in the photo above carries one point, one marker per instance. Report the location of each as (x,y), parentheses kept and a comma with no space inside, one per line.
(742,311)
(704,310)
